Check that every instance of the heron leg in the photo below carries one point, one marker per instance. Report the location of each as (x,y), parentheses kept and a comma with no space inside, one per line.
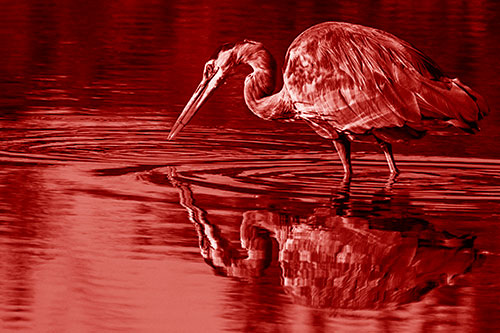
(387,149)
(343,146)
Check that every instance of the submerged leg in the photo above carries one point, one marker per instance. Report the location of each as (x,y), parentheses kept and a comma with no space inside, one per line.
(387,148)
(343,146)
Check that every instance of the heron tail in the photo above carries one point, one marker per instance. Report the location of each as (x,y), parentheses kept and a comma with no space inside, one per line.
(453,102)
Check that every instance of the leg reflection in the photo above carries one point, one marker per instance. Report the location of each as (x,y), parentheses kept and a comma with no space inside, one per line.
(353,254)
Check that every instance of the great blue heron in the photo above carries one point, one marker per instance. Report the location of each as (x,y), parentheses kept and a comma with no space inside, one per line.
(347,82)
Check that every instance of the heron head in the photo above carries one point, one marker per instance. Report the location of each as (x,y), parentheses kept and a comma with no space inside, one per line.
(216,69)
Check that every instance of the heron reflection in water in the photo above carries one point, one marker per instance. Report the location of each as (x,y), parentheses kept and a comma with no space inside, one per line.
(348,82)
(335,258)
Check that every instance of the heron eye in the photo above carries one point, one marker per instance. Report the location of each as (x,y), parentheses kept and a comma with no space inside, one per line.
(209,70)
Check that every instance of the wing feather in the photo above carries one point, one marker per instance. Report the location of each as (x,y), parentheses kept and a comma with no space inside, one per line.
(350,78)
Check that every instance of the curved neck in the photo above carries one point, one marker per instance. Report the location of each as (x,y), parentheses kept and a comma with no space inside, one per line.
(216,250)
(260,84)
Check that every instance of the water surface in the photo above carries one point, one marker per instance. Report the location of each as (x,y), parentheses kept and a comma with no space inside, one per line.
(240,224)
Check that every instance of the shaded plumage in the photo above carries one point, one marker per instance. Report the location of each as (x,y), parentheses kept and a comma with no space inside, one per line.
(347,82)
(354,79)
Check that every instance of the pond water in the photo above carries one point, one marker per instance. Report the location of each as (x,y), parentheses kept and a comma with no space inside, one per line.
(239,224)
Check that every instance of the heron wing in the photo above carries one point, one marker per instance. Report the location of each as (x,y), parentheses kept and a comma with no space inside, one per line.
(349,78)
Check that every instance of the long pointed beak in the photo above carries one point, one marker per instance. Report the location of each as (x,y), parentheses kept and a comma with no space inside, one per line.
(200,96)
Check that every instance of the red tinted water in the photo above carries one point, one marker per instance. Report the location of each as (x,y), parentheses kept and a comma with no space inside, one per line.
(240,224)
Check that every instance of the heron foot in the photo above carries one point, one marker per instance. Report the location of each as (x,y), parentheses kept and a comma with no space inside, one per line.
(347,177)
(394,172)
(391,181)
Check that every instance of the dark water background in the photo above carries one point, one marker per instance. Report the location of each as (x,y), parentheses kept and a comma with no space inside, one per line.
(106,226)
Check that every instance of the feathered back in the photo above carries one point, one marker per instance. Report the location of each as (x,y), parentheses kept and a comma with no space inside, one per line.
(349,78)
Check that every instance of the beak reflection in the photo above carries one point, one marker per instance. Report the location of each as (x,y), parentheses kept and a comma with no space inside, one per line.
(335,258)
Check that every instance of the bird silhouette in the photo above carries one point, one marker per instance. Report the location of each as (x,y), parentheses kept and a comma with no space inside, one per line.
(348,82)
